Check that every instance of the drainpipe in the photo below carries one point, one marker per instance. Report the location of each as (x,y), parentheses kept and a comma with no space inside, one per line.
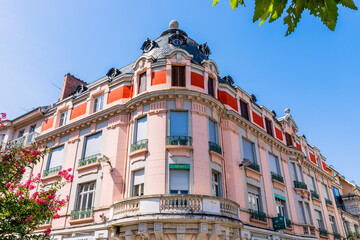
(126,156)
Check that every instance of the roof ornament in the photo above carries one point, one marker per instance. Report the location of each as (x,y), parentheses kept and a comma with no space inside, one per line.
(174,24)
(113,72)
(229,80)
(204,49)
(177,39)
(253,98)
(148,45)
(287,110)
(78,90)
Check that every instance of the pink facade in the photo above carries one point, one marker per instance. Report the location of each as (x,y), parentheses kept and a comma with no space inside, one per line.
(165,148)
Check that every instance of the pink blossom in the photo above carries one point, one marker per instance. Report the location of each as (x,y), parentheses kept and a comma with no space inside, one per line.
(69,169)
(55,216)
(47,231)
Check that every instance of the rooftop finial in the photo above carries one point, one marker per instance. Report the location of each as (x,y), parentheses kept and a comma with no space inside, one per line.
(287,110)
(174,24)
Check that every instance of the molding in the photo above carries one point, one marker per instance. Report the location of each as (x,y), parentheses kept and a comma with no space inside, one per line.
(81,221)
(251,173)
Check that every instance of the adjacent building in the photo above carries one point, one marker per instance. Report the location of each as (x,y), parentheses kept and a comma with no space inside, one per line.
(165,148)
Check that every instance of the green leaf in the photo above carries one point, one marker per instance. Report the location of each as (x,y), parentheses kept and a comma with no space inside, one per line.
(349,4)
(234,4)
(262,9)
(242,2)
(294,14)
(215,2)
(278,8)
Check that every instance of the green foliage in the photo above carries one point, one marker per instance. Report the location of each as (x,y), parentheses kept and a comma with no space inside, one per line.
(353,236)
(325,10)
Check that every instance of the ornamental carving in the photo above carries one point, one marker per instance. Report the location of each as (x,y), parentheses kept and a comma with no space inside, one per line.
(204,49)
(148,45)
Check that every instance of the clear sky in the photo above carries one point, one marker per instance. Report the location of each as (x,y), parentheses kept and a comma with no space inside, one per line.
(314,72)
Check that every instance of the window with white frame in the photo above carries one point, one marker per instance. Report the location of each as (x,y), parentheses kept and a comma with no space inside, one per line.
(307,208)
(178,123)
(333,224)
(55,158)
(213,132)
(274,164)
(254,198)
(98,103)
(280,207)
(179,178)
(325,191)
(141,129)
(249,151)
(319,219)
(142,83)
(311,183)
(92,145)
(301,213)
(138,183)
(86,195)
(63,118)
(216,183)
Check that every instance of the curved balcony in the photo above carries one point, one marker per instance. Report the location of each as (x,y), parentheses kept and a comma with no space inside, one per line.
(175,206)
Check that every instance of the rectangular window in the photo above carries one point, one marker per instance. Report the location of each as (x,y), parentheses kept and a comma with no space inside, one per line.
(307,208)
(311,183)
(179,124)
(55,158)
(21,133)
(254,198)
(141,129)
(325,191)
(92,145)
(333,224)
(216,183)
(319,162)
(98,103)
(301,213)
(269,128)
(62,119)
(179,181)
(249,151)
(213,132)
(289,141)
(142,82)
(32,128)
(280,208)
(178,76)
(274,164)
(319,219)
(244,109)
(211,87)
(347,227)
(138,183)
(85,196)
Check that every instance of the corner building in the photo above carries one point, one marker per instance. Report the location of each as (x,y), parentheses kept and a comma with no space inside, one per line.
(165,148)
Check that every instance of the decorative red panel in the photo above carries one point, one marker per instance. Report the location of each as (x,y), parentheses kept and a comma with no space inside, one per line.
(78,110)
(197,80)
(125,91)
(226,98)
(158,77)
(324,165)
(312,158)
(258,119)
(278,134)
(298,146)
(48,123)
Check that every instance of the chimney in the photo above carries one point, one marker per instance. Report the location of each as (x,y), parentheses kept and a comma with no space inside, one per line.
(70,83)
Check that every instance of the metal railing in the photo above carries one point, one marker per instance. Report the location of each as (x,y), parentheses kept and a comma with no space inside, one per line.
(80,214)
(257,215)
(254,166)
(179,140)
(315,195)
(139,145)
(88,160)
(51,171)
(301,185)
(322,232)
(25,140)
(277,177)
(288,223)
(215,147)
(327,201)
(337,235)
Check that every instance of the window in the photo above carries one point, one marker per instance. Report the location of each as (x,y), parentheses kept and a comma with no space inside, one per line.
(138,183)
(62,119)
(253,198)
(213,132)
(249,151)
(301,213)
(86,196)
(307,208)
(141,129)
(142,83)
(55,158)
(32,128)
(269,128)
(319,162)
(244,109)
(311,183)
(347,227)
(325,191)
(333,224)
(289,141)
(179,181)
(21,133)
(179,123)
(319,219)
(211,87)
(178,76)
(274,164)
(297,172)
(92,145)
(98,103)
(280,208)
(216,183)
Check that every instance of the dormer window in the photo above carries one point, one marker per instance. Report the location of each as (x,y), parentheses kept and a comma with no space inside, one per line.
(98,103)
(178,76)
(142,82)
(177,39)
(268,125)
(211,87)
(62,119)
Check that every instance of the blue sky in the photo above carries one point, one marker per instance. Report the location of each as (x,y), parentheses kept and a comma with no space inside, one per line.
(314,72)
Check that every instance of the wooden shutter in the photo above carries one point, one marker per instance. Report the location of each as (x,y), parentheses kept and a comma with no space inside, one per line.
(178,76)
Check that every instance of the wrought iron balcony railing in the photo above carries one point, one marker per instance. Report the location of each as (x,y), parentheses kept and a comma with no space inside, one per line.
(25,140)
(257,215)
(215,147)
(323,232)
(337,236)
(315,195)
(254,166)
(327,201)
(80,214)
(179,140)
(89,160)
(277,177)
(52,171)
(139,145)
(301,185)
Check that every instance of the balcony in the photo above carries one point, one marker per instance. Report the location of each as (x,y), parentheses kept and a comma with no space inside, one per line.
(301,189)
(82,216)
(51,171)
(179,140)
(257,216)
(329,202)
(254,166)
(277,177)
(300,185)
(337,236)
(174,206)
(215,147)
(25,140)
(323,232)
(89,160)
(142,144)
(314,195)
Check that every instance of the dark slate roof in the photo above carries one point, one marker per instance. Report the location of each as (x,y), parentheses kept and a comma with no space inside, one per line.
(163,47)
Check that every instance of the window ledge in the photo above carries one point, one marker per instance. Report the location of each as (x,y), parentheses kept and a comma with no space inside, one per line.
(81,221)
(139,151)
(278,185)
(48,179)
(258,221)
(179,147)
(213,153)
(316,201)
(91,165)
(251,173)
(330,207)
(302,192)
(43,226)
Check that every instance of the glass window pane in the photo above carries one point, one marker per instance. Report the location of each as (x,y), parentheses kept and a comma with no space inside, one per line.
(178,124)
(212,131)
(56,157)
(92,145)
(249,151)
(141,129)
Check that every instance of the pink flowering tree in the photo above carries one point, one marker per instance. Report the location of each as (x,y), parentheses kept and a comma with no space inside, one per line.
(25,203)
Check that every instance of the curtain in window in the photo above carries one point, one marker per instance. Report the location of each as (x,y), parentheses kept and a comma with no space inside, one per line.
(92,145)
(141,129)
(56,157)
(178,124)
(179,180)
(249,151)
